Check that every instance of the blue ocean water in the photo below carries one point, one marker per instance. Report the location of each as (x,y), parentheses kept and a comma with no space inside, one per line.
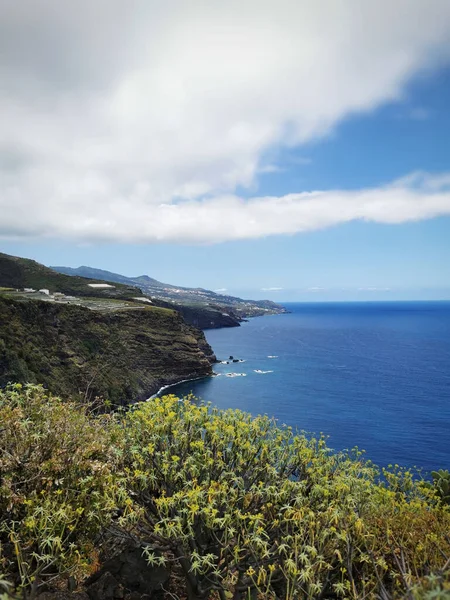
(372,375)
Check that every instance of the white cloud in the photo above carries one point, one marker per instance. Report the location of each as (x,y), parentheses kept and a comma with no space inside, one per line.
(316,289)
(137,121)
(220,290)
(228,217)
(271,289)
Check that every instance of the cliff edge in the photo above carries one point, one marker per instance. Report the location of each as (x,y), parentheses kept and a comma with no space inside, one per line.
(121,356)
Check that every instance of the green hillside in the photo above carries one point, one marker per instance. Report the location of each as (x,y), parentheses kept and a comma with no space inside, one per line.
(19,273)
(196,298)
(119,355)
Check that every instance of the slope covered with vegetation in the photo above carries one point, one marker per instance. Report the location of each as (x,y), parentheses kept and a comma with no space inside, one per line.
(220,505)
(16,272)
(119,355)
(194,298)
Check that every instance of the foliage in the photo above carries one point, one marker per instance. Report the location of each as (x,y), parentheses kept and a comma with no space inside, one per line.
(246,506)
(59,483)
(441,480)
(18,272)
(236,506)
(120,356)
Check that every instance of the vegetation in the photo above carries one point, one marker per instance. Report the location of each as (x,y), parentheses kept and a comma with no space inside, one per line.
(233,506)
(18,273)
(441,481)
(59,485)
(209,306)
(121,356)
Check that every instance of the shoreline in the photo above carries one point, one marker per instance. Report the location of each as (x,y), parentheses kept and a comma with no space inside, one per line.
(165,387)
(170,385)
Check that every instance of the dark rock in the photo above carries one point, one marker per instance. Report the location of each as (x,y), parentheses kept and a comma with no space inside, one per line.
(106,588)
(231,358)
(236,360)
(131,570)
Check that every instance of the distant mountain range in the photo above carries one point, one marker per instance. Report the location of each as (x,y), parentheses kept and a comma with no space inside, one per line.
(187,297)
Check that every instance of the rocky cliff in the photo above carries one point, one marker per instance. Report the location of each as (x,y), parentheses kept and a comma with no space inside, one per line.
(119,355)
(201,316)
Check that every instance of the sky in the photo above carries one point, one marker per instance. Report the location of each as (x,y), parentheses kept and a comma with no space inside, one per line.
(285,150)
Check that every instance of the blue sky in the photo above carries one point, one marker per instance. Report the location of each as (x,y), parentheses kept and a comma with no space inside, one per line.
(289,177)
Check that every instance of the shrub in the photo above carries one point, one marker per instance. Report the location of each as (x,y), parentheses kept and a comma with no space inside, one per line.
(236,505)
(246,507)
(59,483)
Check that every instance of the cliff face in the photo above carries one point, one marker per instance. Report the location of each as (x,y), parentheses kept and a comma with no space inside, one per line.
(121,355)
(202,317)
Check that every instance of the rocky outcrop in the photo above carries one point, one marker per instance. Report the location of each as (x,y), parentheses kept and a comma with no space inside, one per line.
(122,356)
(129,577)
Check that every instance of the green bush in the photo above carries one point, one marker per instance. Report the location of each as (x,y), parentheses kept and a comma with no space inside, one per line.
(441,481)
(59,483)
(247,507)
(234,506)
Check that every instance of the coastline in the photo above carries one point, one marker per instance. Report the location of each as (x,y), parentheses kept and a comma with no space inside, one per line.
(170,385)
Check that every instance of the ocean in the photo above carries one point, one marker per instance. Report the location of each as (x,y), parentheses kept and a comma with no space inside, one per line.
(374,375)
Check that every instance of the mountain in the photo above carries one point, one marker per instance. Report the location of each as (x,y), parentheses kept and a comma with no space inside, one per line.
(236,308)
(19,273)
(98,292)
(92,273)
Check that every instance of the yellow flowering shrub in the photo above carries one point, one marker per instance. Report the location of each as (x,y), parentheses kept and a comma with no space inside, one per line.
(246,507)
(234,506)
(58,483)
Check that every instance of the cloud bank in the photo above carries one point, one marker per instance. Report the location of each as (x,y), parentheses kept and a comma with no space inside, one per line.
(137,121)
(229,217)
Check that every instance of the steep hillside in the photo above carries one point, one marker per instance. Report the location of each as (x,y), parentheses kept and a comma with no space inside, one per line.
(236,308)
(122,356)
(19,273)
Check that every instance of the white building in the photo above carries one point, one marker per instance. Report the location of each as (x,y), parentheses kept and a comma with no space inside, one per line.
(45,291)
(29,290)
